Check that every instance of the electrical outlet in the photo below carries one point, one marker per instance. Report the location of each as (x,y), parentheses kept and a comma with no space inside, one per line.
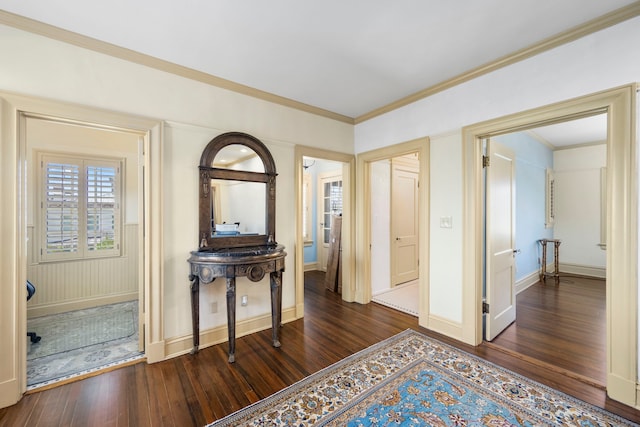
(244,300)
(214,307)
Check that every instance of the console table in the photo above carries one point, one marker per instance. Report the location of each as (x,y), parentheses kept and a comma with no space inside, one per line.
(251,262)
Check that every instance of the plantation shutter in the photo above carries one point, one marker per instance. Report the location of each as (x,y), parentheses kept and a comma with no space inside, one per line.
(61,207)
(101,208)
(80,204)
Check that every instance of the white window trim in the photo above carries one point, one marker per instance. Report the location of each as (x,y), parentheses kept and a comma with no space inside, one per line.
(83,161)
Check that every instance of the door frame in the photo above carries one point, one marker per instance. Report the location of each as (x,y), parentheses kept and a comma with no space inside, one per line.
(348,232)
(13,253)
(363,225)
(622,240)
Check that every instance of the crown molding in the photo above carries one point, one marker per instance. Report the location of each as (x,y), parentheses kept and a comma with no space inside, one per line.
(590,27)
(50,31)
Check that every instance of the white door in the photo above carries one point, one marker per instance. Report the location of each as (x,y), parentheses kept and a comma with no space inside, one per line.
(329,203)
(404,219)
(500,240)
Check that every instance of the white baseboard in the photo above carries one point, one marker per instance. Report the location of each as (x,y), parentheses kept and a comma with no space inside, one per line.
(183,345)
(311,266)
(527,281)
(584,270)
(580,270)
(443,326)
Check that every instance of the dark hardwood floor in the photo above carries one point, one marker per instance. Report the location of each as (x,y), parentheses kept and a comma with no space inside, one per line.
(195,390)
(562,325)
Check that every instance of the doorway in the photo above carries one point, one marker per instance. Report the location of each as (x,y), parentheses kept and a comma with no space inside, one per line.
(336,169)
(394,217)
(374,227)
(84,256)
(14,159)
(622,241)
(560,196)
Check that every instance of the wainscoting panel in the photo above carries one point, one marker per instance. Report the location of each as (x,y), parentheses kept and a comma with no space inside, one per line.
(71,285)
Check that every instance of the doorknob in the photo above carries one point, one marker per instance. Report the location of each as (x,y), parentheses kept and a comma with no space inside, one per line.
(397,238)
(516,251)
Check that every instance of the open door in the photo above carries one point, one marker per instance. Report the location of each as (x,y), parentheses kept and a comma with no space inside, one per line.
(500,299)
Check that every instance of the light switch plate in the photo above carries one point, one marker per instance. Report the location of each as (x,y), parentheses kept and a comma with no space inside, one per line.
(446,222)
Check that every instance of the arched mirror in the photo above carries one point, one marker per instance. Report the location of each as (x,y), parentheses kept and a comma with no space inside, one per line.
(237,193)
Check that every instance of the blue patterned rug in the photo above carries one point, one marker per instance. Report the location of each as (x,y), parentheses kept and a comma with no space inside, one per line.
(413,380)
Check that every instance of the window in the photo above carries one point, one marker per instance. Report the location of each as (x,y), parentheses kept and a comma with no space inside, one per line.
(332,203)
(80,203)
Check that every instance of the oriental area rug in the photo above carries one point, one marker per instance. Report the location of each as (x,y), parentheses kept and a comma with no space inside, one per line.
(413,380)
(79,342)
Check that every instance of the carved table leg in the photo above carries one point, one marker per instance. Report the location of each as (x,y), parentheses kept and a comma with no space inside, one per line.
(231,317)
(276,305)
(195,311)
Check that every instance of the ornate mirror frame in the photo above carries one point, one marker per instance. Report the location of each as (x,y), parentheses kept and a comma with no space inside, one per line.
(208,173)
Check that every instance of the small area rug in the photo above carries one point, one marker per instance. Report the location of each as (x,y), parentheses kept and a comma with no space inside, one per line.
(403,298)
(81,328)
(413,380)
(81,341)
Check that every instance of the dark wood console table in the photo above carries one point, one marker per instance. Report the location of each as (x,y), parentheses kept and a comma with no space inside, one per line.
(251,262)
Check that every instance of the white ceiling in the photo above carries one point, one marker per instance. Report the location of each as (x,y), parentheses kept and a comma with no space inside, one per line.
(348,57)
(590,130)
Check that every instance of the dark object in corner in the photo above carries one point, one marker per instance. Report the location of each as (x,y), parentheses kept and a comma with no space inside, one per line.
(30,291)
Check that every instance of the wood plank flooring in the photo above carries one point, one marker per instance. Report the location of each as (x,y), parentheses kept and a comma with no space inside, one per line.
(562,325)
(195,390)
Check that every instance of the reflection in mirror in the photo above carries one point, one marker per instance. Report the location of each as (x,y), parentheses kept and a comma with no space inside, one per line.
(239,208)
(238,157)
